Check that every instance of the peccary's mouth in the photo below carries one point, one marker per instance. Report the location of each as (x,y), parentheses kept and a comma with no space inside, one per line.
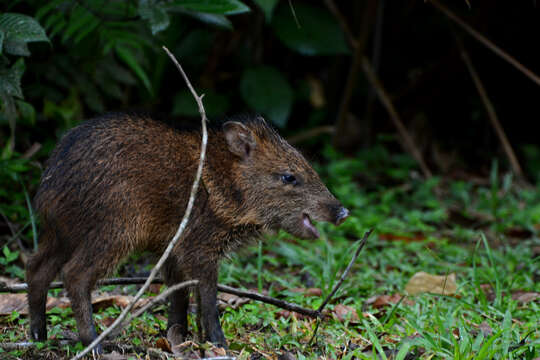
(309,227)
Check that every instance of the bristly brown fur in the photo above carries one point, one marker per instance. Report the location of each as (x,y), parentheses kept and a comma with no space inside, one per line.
(120,183)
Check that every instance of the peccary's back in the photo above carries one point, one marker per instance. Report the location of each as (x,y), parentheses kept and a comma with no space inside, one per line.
(127,176)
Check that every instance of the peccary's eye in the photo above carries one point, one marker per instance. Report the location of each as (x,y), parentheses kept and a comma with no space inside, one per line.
(289,179)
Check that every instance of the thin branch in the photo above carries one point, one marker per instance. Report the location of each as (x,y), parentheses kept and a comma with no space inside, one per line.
(346,272)
(490,109)
(340,281)
(486,42)
(181,227)
(331,5)
(269,300)
(385,100)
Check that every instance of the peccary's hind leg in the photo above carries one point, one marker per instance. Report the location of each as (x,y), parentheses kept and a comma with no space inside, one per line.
(179,300)
(40,271)
(80,275)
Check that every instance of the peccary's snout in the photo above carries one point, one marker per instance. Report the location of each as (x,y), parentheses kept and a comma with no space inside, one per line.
(342,215)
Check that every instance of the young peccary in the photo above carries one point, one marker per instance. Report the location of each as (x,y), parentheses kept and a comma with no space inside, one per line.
(120,183)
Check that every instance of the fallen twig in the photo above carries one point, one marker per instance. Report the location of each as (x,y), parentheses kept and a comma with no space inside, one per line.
(490,109)
(340,281)
(488,43)
(385,100)
(181,227)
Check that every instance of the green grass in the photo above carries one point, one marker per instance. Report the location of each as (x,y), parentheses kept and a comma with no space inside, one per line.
(481,321)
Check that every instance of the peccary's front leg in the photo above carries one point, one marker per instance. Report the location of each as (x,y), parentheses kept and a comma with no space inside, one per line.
(207,305)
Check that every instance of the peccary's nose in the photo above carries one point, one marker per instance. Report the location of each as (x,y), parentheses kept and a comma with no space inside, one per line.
(342,214)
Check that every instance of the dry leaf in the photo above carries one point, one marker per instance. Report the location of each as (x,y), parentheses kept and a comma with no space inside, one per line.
(407,239)
(115,356)
(387,300)
(345,312)
(524,297)
(103,302)
(187,349)
(230,301)
(485,328)
(13,302)
(422,282)
(308,291)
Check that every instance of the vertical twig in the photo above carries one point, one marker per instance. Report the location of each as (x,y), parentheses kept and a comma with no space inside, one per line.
(341,136)
(181,227)
(487,43)
(338,284)
(331,5)
(385,100)
(492,115)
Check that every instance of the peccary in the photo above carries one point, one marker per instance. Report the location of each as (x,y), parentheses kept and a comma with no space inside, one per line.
(120,183)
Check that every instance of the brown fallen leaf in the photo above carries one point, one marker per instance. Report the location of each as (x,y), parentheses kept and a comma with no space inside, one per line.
(392,237)
(287,314)
(187,350)
(308,291)
(105,301)
(422,282)
(115,356)
(230,301)
(388,300)
(485,328)
(13,302)
(525,297)
(345,312)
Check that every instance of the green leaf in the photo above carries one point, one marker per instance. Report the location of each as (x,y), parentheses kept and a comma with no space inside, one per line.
(2,35)
(26,112)
(221,7)
(154,12)
(10,79)
(16,48)
(211,19)
(20,29)
(319,33)
(267,7)
(127,56)
(266,91)
(215,104)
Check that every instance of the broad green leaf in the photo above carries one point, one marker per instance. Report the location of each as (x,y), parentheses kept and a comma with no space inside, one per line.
(156,15)
(10,79)
(215,104)
(318,34)
(221,7)
(267,7)
(266,91)
(16,48)
(27,113)
(1,41)
(127,56)
(211,19)
(20,29)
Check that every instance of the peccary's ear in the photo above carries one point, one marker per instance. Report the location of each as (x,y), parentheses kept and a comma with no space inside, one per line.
(240,139)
